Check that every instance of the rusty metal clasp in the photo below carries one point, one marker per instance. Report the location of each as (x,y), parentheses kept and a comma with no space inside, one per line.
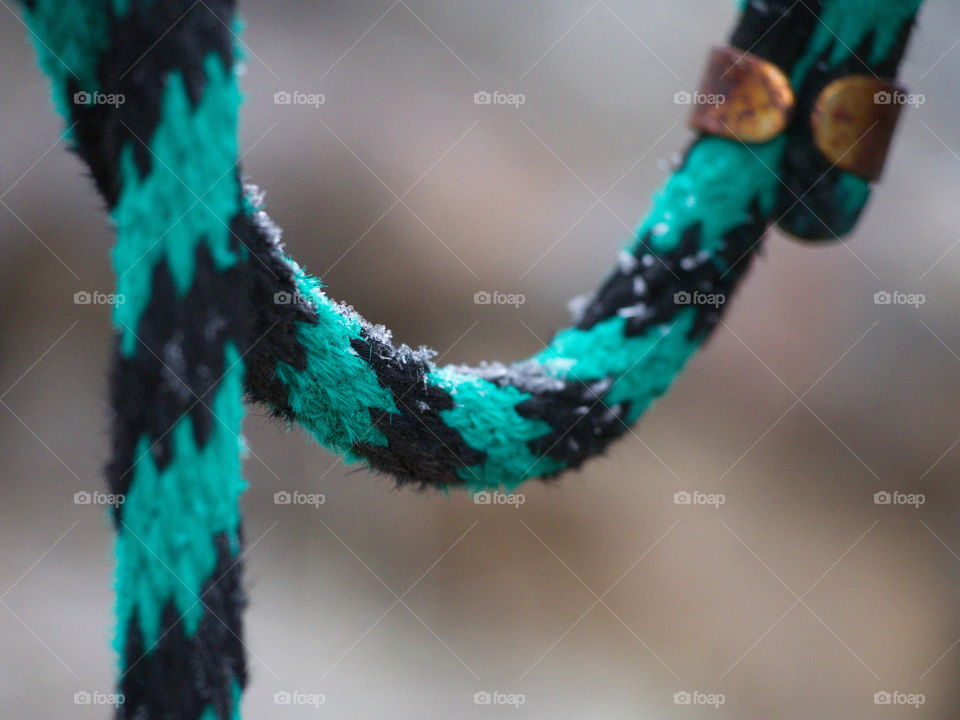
(742,97)
(853,122)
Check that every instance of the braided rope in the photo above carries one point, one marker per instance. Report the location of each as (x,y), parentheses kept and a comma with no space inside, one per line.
(215,308)
(497,425)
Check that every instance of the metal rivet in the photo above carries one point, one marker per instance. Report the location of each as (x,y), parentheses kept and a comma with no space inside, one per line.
(742,97)
(853,122)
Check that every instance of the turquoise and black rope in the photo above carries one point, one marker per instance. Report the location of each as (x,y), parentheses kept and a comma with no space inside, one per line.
(215,310)
(178,375)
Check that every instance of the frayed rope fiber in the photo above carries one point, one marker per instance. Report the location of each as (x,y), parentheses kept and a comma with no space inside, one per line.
(216,310)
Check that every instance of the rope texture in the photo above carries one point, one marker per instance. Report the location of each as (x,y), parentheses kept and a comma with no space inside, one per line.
(215,309)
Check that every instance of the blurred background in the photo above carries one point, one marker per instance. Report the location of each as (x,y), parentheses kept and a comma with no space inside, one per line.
(598,596)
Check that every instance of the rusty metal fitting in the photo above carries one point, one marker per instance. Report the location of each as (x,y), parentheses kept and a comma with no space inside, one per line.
(742,97)
(853,121)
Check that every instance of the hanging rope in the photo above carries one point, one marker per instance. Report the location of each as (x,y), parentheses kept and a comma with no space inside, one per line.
(214,308)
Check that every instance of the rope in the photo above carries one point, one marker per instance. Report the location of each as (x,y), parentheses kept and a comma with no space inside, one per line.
(214,308)
(497,425)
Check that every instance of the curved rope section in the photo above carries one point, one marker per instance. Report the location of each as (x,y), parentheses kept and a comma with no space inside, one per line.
(496,425)
(214,308)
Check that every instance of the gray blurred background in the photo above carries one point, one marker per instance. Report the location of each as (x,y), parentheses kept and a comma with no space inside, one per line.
(598,596)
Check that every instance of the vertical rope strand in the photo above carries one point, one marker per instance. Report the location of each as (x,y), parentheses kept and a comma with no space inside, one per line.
(151,90)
